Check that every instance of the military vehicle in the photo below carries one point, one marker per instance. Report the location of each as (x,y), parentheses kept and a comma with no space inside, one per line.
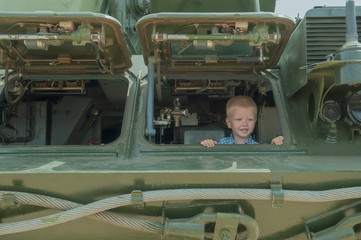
(104,104)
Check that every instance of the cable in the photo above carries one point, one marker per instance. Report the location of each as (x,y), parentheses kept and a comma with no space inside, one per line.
(321,104)
(101,66)
(108,217)
(172,195)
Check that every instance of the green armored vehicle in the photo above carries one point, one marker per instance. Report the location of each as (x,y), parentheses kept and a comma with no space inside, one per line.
(104,105)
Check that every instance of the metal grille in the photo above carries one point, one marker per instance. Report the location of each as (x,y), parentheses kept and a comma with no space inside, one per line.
(325,35)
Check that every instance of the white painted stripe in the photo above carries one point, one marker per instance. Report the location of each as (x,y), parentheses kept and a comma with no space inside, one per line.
(46,167)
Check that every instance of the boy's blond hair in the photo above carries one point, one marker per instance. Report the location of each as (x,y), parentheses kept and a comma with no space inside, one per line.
(240,101)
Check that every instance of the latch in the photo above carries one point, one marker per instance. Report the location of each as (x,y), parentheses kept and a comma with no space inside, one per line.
(137,198)
(226,225)
(277,191)
(8,200)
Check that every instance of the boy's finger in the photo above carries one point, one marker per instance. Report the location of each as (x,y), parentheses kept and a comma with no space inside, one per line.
(213,143)
(210,143)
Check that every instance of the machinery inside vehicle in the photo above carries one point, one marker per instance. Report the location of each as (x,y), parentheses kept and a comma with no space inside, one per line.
(195,109)
(58,111)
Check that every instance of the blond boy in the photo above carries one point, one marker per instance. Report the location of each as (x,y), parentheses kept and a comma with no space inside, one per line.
(241,118)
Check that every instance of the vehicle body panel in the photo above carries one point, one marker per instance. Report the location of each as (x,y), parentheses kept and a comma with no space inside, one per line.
(90,145)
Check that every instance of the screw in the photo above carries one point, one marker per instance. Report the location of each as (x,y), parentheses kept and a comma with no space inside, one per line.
(225,234)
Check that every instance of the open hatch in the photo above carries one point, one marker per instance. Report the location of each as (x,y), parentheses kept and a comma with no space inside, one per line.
(197,61)
(63,78)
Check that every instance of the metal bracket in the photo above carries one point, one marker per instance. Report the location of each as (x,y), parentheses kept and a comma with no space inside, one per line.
(137,198)
(337,223)
(277,191)
(343,230)
(354,132)
(225,228)
(8,201)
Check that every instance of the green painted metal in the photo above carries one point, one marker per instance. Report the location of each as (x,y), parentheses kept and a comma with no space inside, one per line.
(343,230)
(103,113)
(54,5)
(211,6)
(294,60)
(128,12)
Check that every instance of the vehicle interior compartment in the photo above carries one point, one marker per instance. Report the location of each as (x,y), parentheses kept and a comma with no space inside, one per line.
(190,109)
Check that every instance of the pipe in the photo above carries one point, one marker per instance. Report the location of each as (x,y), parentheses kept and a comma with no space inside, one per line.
(254,37)
(75,36)
(351,24)
(252,59)
(150,131)
(256,6)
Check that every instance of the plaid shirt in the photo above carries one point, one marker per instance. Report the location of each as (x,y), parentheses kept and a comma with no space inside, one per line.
(230,140)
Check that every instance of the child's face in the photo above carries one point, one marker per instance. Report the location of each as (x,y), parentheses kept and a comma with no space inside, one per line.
(242,121)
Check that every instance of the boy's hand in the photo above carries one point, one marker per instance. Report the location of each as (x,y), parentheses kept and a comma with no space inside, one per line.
(277,141)
(208,143)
